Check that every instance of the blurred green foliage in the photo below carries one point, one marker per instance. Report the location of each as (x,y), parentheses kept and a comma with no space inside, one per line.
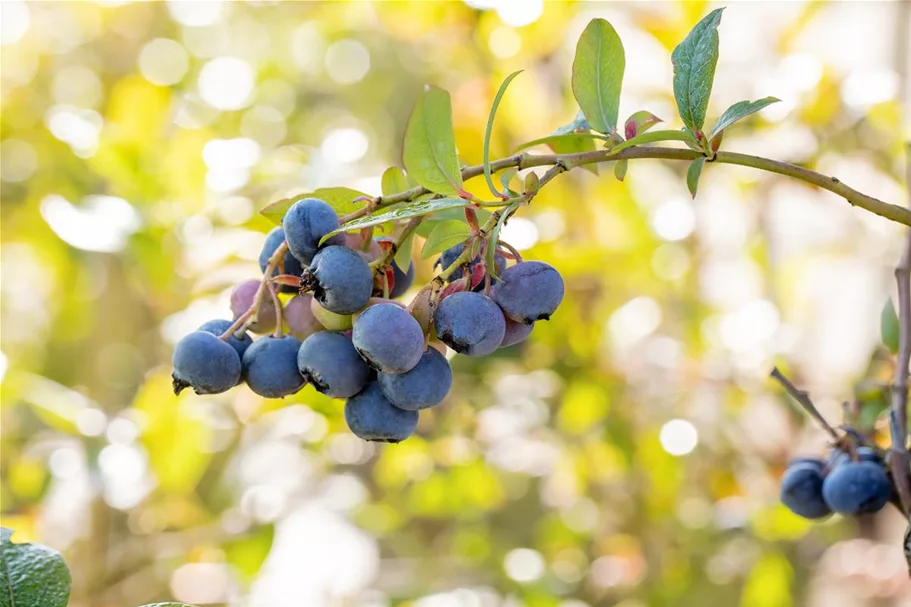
(628,455)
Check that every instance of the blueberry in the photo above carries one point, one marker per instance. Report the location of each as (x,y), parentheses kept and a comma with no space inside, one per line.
(516,332)
(801,490)
(528,291)
(864,454)
(299,318)
(857,488)
(242,298)
(329,361)
(470,323)
(341,280)
(270,366)
(291,266)
(372,417)
(205,363)
(305,223)
(217,327)
(388,338)
(426,385)
(403,280)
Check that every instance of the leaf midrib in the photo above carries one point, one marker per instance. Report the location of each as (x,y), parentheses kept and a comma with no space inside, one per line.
(433,152)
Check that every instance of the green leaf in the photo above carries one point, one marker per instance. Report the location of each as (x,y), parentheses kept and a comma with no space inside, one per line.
(567,140)
(394,181)
(403,254)
(598,74)
(693,173)
(694,70)
(889,328)
(489,131)
(31,575)
(429,151)
(445,234)
(341,199)
(402,211)
(505,178)
(739,111)
(248,552)
(620,169)
(652,137)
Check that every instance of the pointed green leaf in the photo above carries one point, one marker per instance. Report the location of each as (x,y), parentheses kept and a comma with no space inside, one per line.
(506,177)
(429,152)
(578,125)
(889,328)
(693,173)
(694,70)
(598,74)
(620,169)
(569,140)
(340,199)
(446,234)
(652,137)
(402,211)
(403,254)
(739,111)
(31,574)
(394,181)
(489,131)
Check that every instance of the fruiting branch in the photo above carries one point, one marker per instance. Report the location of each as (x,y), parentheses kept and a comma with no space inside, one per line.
(564,162)
(274,261)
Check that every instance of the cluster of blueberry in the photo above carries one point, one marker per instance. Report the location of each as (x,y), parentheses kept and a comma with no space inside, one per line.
(348,337)
(847,484)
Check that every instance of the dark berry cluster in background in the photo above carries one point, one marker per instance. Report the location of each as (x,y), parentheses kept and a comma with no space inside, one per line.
(347,335)
(853,481)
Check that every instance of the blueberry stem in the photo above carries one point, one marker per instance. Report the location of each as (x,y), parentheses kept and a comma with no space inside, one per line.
(277,258)
(803,399)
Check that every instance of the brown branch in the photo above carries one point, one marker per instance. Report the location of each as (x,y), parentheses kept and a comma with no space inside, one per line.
(899,458)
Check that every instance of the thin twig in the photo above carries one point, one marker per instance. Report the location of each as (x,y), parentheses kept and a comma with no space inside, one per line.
(803,399)
(277,256)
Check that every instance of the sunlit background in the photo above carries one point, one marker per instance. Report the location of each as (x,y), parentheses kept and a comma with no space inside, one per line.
(627,456)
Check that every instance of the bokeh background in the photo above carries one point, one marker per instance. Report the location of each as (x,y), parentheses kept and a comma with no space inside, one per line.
(628,455)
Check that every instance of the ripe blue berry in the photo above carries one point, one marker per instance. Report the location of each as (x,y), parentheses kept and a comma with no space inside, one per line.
(205,363)
(299,317)
(426,385)
(242,298)
(403,280)
(329,361)
(470,323)
(372,417)
(801,489)
(341,280)
(217,327)
(291,264)
(857,488)
(388,338)
(516,332)
(305,223)
(270,367)
(529,291)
